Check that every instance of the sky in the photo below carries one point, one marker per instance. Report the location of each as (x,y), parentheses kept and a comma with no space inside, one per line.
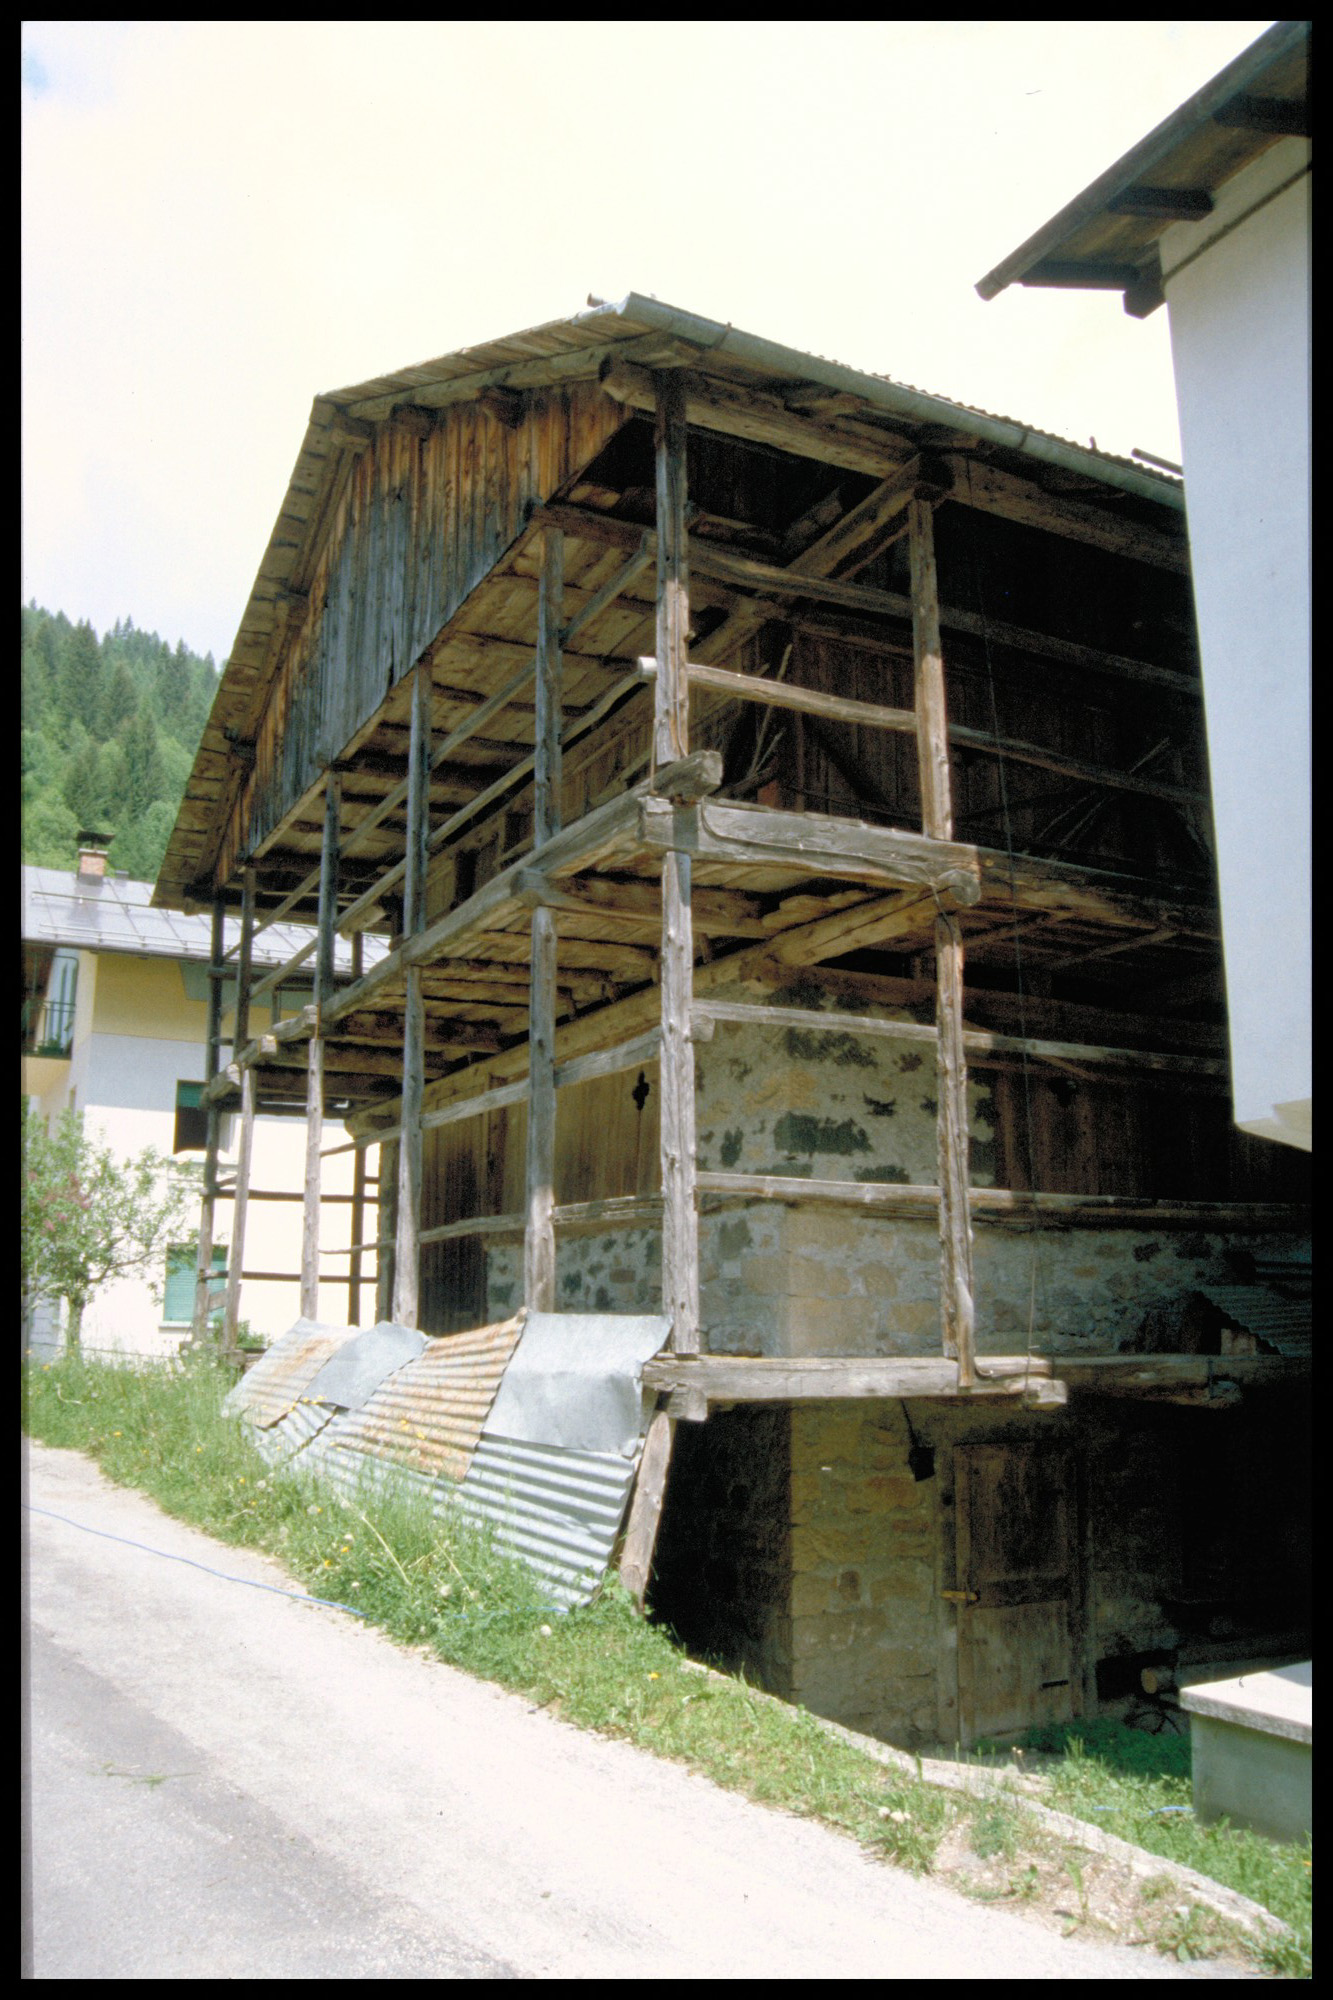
(222,220)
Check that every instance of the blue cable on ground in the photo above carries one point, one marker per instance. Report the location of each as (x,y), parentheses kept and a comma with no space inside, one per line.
(301,1596)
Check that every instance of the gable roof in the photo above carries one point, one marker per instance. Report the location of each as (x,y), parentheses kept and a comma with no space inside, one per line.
(643,330)
(1106,238)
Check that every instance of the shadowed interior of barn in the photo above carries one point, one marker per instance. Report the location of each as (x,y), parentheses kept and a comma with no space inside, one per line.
(785,799)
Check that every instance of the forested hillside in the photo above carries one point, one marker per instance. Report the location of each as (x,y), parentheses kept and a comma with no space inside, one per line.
(110,728)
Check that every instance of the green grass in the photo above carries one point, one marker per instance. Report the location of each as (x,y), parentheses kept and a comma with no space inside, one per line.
(443,1585)
(1138,1785)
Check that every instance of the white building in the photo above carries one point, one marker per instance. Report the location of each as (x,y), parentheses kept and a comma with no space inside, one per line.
(1210,214)
(115,1013)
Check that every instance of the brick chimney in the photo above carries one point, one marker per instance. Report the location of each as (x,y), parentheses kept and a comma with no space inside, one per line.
(92,860)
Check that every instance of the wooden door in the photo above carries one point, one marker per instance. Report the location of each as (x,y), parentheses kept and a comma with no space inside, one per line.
(1017,1587)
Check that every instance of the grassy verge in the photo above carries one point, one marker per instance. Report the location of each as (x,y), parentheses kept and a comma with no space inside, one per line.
(444,1586)
(1137,1785)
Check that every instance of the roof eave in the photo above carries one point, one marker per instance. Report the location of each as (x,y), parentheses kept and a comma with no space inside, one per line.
(1196,111)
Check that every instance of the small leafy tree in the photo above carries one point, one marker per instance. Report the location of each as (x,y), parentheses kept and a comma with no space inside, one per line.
(89,1217)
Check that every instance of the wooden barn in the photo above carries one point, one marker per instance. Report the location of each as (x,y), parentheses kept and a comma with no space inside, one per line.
(785,797)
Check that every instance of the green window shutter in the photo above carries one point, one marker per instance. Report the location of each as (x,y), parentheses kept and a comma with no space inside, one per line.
(182,1261)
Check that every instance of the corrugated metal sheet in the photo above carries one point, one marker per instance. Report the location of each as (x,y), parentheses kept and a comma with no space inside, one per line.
(428,1415)
(362,1363)
(292,1433)
(1282,1323)
(556,1509)
(555,1505)
(266,1392)
(348,1471)
(576,1380)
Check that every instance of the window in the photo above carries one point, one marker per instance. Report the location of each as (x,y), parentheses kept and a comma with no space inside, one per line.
(182,1273)
(191,1119)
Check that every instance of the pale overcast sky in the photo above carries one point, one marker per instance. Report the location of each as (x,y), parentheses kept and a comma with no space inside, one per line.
(223,220)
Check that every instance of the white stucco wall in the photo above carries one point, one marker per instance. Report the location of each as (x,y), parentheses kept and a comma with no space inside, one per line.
(124,1083)
(1238,290)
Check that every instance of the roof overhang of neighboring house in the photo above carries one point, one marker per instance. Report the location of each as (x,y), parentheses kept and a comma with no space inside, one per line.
(1107,238)
(743,384)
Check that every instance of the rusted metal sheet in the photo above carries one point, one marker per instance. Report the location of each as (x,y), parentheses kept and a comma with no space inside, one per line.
(291,1434)
(556,1509)
(277,1381)
(428,1415)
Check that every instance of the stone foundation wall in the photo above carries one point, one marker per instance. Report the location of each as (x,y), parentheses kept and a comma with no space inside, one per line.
(722,1571)
(818,1103)
(865,1573)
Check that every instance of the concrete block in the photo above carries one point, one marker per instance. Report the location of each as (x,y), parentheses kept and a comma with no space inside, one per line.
(1251,1743)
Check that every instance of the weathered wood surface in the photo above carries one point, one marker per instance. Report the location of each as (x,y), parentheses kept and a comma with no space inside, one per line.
(244,1152)
(995,492)
(645,1513)
(1000,1205)
(680,1222)
(745,1379)
(957,1307)
(671,714)
(407,1229)
(212,1051)
(314,1129)
(820,843)
(976,1041)
(539,1239)
(781,694)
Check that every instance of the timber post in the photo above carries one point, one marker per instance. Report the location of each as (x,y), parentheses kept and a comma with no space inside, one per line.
(680,1228)
(208,1201)
(407,1253)
(539,1229)
(956,1279)
(354,1268)
(240,1205)
(314,1101)
(240,1035)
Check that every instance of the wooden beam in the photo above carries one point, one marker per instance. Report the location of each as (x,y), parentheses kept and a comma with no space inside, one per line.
(388,1227)
(680,1229)
(244,1151)
(245,961)
(827,1378)
(539,1230)
(976,1041)
(645,1515)
(782,694)
(750,574)
(203,1286)
(988,489)
(407,1248)
(814,843)
(957,1309)
(1006,1205)
(762,417)
(610,590)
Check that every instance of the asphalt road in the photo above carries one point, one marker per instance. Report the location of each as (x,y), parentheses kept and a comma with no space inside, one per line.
(228,1784)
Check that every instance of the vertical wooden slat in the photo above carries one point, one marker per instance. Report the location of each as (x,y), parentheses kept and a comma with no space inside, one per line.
(645,1514)
(407,1252)
(314,1097)
(539,1231)
(957,1309)
(244,967)
(208,1203)
(671,717)
(355,1265)
(240,1206)
(680,1235)
(387,1230)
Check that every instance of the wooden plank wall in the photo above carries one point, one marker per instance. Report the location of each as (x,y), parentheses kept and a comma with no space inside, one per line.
(421,522)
